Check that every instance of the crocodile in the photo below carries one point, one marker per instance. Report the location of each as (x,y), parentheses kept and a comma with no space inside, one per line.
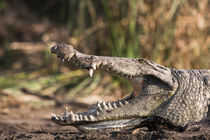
(162,97)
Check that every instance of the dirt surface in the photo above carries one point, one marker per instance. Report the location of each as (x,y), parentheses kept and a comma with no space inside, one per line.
(29,123)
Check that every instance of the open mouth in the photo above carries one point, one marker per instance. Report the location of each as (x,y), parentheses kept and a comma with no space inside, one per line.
(125,113)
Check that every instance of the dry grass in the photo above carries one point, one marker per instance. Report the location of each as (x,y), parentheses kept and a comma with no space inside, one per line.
(176,33)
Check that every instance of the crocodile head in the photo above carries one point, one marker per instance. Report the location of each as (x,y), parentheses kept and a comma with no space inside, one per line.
(148,96)
(153,87)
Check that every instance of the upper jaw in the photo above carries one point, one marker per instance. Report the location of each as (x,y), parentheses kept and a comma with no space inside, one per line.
(91,62)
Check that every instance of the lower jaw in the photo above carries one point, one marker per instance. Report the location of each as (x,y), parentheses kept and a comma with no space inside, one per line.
(114,125)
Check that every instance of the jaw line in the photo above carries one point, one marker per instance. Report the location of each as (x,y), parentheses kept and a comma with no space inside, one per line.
(111,124)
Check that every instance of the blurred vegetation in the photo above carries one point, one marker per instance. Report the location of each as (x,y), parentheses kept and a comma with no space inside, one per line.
(104,27)
(172,33)
(135,28)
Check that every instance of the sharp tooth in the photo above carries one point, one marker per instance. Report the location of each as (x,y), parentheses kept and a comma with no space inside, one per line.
(109,106)
(105,107)
(97,113)
(91,72)
(71,113)
(55,47)
(56,117)
(98,104)
(76,118)
(103,103)
(86,118)
(73,118)
(81,117)
(100,109)
(126,102)
(66,113)
(67,109)
(92,118)
(63,60)
(114,105)
(94,66)
(120,103)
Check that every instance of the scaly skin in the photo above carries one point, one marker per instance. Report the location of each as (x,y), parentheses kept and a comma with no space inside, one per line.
(161,95)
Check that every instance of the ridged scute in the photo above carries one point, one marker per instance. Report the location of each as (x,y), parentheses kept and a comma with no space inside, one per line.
(190,102)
